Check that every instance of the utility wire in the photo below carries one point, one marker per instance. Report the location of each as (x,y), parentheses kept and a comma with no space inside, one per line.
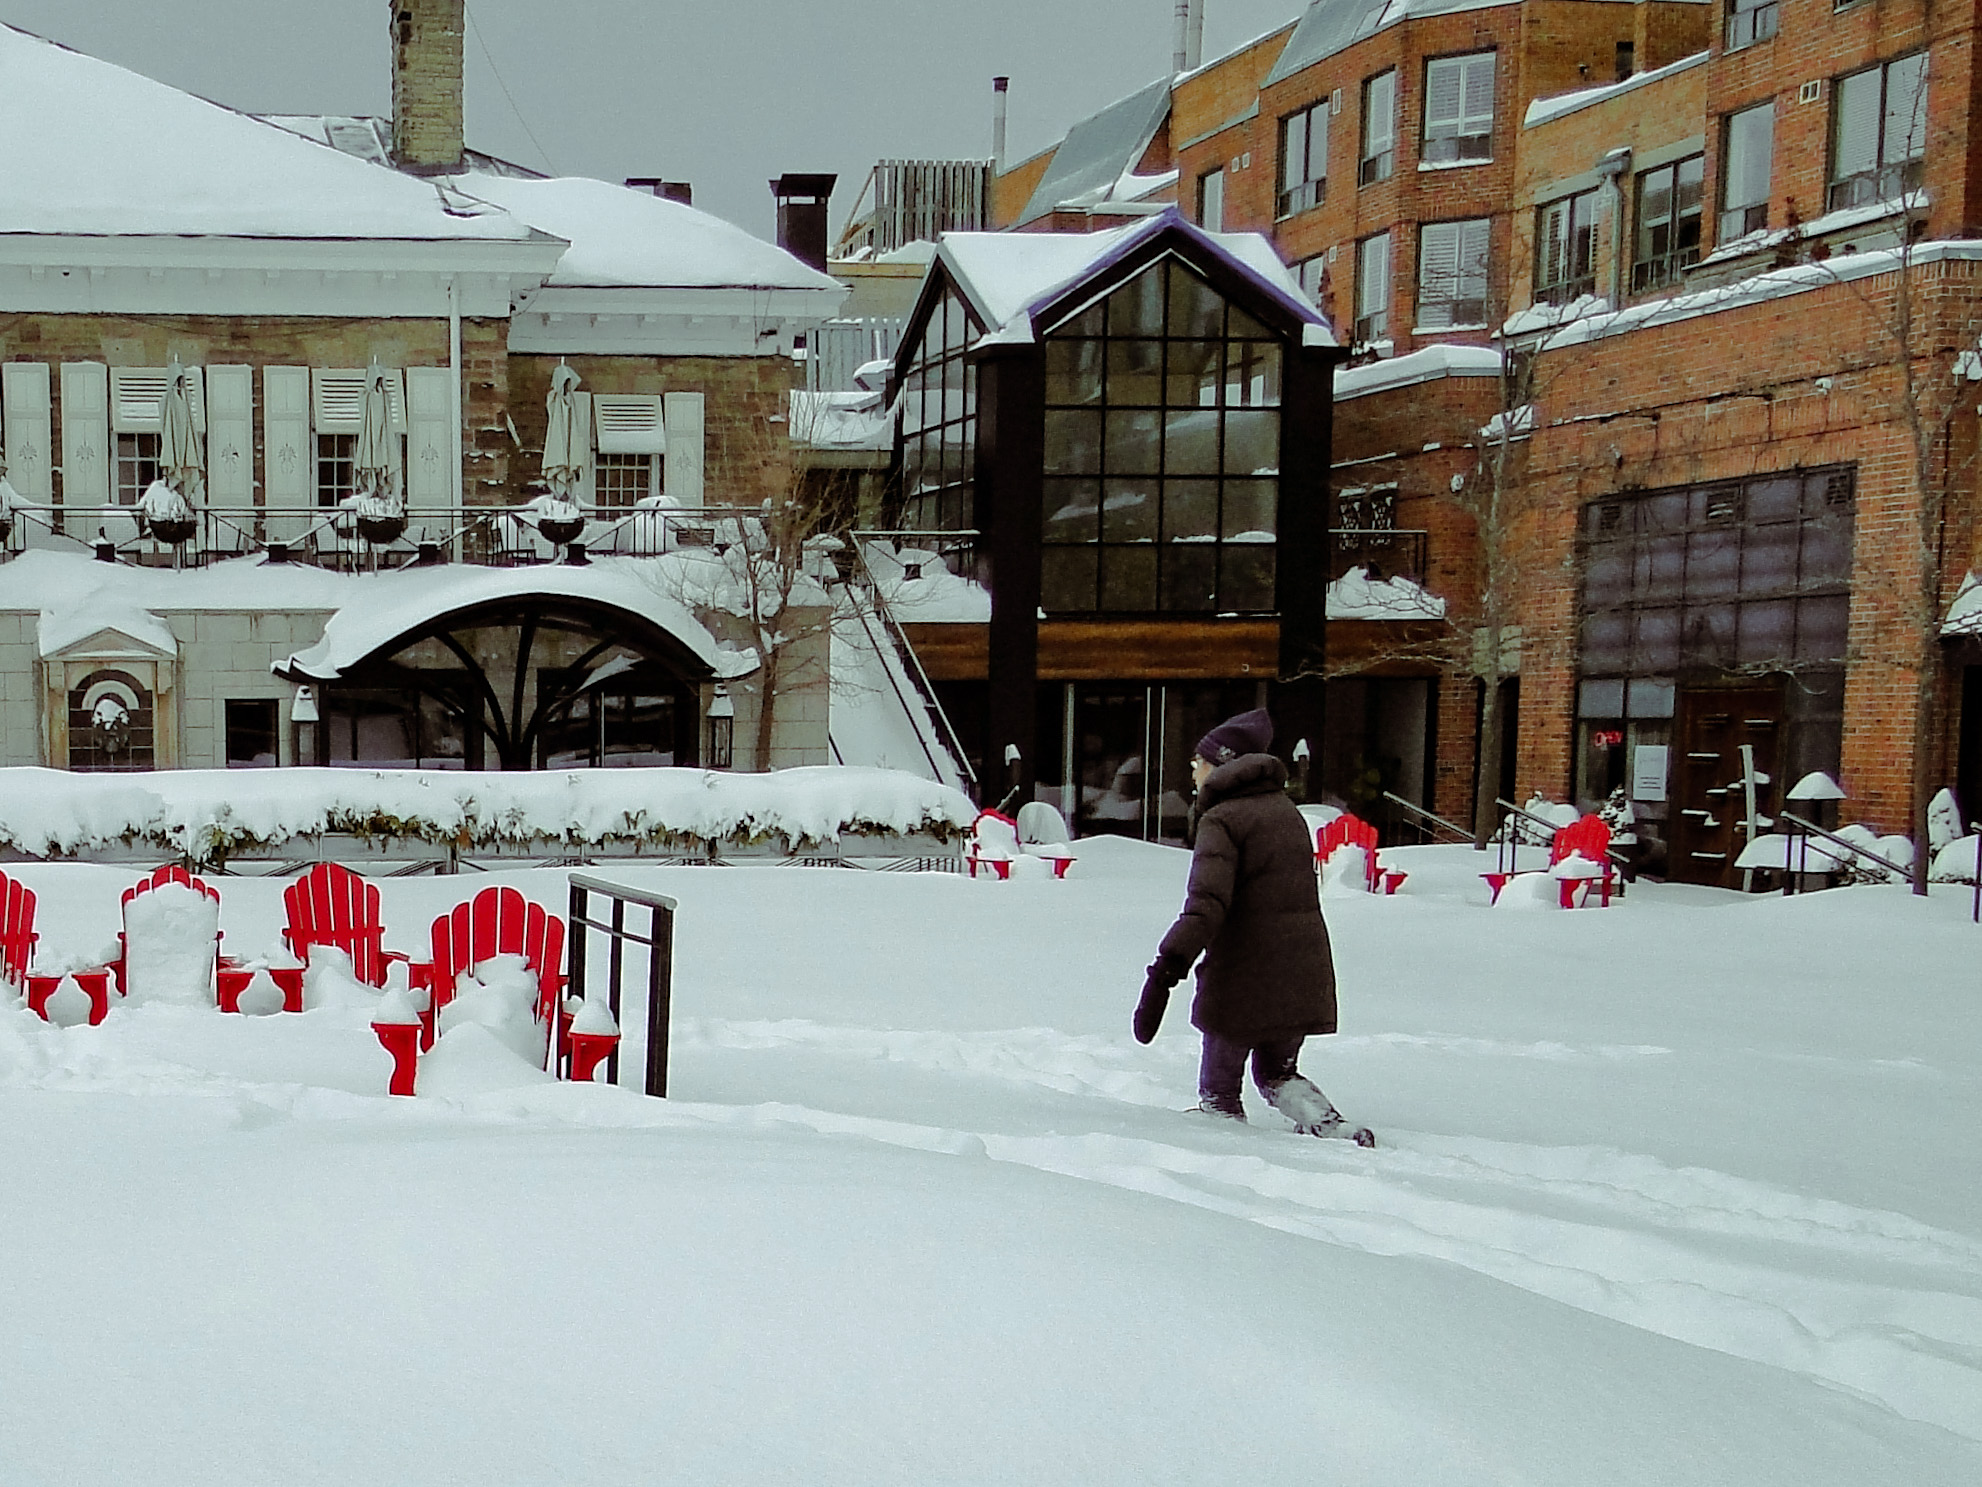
(482,42)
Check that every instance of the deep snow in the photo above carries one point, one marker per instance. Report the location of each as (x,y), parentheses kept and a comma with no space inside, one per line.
(1679,1191)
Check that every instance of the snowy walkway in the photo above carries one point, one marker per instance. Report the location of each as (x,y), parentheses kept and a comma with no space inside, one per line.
(1683,1191)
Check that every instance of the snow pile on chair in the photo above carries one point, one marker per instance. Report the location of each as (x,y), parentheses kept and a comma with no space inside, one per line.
(171,935)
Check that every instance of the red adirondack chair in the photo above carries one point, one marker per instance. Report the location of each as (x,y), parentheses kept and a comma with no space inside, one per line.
(1587,837)
(159,877)
(331,905)
(17,936)
(1352,831)
(496,921)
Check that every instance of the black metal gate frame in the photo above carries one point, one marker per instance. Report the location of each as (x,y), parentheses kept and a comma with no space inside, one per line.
(659,941)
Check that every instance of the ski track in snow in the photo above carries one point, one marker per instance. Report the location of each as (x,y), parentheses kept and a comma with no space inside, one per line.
(1618,1234)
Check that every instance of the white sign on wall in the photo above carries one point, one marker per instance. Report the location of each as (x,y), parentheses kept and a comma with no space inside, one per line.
(1648,772)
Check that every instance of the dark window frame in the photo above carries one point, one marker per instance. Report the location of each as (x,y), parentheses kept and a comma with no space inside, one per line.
(1652,266)
(1577,269)
(1885,179)
(1738,219)
(1461,145)
(1749,22)
(1311,190)
(1375,165)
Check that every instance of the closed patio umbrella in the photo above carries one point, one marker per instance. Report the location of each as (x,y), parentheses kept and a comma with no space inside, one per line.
(181,447)
(565,443)
(375,468)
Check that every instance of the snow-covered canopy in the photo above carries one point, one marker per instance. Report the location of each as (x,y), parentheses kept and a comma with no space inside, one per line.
(1428,365)
(364,629)
(1357,596)
(841,420)
(625,238)
(1008,275)
(96,150)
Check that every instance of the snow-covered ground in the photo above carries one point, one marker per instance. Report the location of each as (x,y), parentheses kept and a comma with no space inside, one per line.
(1681,1191)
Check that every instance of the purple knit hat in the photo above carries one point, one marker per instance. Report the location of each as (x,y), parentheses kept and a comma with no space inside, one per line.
(1248,733)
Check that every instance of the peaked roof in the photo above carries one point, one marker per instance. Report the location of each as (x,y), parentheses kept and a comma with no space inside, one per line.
(96,150)
(1008,276)
(1331,26)
(1099,151)
(621,237)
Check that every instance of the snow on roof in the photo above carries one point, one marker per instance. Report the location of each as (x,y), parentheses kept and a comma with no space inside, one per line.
(1543,109)
(1099,151)
(841,420)
(1420,366)
(1843,268)
(96,150)
(380,617)
(1331,26)
(622,237)
(1007,275)
(60,628)
(1357,596)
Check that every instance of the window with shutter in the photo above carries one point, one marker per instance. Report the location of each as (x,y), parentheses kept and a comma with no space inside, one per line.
(337,413)
(1303,160)
(1452,274)
(682,476)
(1459,108)
(137,398)
(1565,249)
(1746,162)
(230,439)
(431,439)
(1211,200)
(1879,133)
(1373,288)
(1379,156)
(288,472)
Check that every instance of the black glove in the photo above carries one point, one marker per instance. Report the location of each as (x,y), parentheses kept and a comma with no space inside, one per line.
(1164,973)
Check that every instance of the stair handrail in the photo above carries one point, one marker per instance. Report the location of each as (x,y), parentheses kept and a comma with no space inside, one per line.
(1417,810)
(912,663)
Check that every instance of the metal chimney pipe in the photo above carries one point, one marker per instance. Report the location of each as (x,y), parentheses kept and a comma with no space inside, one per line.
(1181,60)
(1194,37)
(999,85)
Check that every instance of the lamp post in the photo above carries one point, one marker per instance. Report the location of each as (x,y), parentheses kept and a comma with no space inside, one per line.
(303,722)
(722,729)
(1814,787)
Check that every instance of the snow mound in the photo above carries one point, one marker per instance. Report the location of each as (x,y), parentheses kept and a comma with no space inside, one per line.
(171,936)
(474,1059)
(499,995)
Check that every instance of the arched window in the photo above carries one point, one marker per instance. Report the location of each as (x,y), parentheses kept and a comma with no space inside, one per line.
(110,723)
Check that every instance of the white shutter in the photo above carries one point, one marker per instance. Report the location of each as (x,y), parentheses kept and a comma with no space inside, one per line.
(684,449)
(430,439)
(289,474)
(230,436)
(1476,114)
(137,398)
(29,429)
(1444,96)
(86,462)
(337,403)
(630,423)
(1438,267)
(1380,103)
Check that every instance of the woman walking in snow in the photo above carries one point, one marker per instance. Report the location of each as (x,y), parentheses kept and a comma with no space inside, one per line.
(1254,912)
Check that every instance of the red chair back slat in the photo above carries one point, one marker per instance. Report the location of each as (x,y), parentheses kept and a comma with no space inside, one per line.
(17,935)
(172,872)
(499,921)
(1348,831)
(1589,835)
(331,905)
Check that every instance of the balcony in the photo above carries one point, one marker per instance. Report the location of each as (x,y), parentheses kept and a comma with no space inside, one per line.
(1383,552)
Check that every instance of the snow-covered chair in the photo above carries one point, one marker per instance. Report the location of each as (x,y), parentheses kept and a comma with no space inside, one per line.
(1352,831)
(1579,860)
(171,875)
(495,922)
(331,905)
(17,936)
(1043,833)
(994,846)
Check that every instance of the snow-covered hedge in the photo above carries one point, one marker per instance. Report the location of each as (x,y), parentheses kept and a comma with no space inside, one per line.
(209,815)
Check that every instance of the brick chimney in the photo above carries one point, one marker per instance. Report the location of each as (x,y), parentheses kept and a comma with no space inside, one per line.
(802,200)
(426,85)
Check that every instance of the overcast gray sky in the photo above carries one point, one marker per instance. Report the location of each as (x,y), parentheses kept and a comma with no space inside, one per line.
(725,94)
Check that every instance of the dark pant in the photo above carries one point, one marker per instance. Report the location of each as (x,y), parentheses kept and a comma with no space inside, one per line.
(1224,1063)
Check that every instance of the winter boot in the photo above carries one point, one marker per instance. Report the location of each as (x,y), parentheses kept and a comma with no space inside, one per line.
(1302,1102)
(1219,1110)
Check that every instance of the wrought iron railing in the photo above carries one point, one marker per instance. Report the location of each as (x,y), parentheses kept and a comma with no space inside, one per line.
(1383,552)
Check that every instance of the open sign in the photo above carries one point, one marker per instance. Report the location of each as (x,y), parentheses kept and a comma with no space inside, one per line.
(1606,738)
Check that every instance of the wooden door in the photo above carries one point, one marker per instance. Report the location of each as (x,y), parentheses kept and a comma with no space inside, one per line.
(1708,810)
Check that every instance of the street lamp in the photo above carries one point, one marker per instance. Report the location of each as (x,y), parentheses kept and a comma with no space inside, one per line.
(1813,788)
(303,720)
(722,729)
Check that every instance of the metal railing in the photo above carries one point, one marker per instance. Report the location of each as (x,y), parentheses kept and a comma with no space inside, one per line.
(1384,552)
(659,941)
(911,664)
(1427,821)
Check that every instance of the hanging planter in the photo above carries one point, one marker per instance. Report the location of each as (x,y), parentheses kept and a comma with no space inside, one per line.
(167,516)
(559,520)
(381,519)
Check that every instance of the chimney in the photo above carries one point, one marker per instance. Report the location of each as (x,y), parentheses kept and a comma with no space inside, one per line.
(999,85)
(681,191)
(802,202)
(426,85)
(1189,35)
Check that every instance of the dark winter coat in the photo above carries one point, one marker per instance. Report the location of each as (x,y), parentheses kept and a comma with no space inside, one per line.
(1254,911)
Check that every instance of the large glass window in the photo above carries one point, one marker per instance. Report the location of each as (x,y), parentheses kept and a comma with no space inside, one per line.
(1749,21)
(1566,249)
(1668,236)
(939,423)
(1878,132)
(1373,289)
(1303,160)
(337,468)
(1458,108)
(1162,469)
(622,481)
(1452,274)
(1746,154)
(1379,154)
